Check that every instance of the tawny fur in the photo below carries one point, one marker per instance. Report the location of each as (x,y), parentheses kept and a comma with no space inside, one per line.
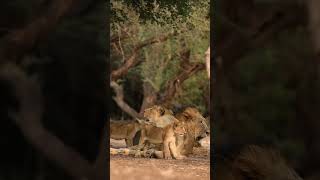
(124,130)
(166,127)
(196,127)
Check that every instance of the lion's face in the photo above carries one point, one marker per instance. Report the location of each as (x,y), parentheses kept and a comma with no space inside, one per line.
(179,129)
(153,113)
(196,121)
(158,114)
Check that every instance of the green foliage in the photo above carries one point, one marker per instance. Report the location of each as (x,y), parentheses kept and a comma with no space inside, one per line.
(264,90)
(160,62)
(260,95)
(193,92)
(151,10)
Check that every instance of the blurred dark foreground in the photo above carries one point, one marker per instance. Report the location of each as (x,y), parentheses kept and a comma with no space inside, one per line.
(266,89)
(53,83)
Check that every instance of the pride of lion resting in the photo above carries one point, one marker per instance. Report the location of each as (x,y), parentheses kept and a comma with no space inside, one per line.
(181,144)
(175,137)
(169,129)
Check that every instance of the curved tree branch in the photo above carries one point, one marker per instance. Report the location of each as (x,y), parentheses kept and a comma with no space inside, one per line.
(28,120)
(119,99)
(14,45)
(188,69)
(174,84)
(133,60)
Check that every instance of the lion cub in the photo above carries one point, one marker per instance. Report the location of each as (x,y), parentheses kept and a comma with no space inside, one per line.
(124,130)
(162,127)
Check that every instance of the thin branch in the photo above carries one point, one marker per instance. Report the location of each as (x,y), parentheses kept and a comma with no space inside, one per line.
(121,35)
(133,60)
(175,84)
(121,50)
(188,69)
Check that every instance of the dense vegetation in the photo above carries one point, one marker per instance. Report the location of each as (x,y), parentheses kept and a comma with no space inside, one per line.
(266,88)
(164,42)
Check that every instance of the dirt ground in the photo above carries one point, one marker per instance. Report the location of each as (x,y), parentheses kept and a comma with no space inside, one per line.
(195,167)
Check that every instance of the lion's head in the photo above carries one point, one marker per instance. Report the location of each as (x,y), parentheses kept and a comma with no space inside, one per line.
(195,121)
(179,129)
(159,116)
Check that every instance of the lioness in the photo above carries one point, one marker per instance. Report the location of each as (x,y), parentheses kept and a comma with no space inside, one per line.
(156,136)
(150,134)
(196,127)
(163,127)
(124,130)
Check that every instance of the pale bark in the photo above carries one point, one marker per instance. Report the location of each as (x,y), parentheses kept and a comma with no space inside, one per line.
(119,99)
(208,61)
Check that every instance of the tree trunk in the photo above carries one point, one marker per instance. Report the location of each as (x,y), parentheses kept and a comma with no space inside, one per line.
(149,96)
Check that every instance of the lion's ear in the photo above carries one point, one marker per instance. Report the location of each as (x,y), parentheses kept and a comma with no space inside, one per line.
(175,120)
(162,111)
(139,121)
(187,115)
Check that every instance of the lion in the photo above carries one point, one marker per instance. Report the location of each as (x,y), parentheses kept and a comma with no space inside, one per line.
(124,130)
(162,127)
(150,134)
(151,143)
(254,162)
(195,124)
(196,127)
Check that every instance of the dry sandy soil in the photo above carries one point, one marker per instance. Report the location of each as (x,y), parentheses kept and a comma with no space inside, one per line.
(195,167)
